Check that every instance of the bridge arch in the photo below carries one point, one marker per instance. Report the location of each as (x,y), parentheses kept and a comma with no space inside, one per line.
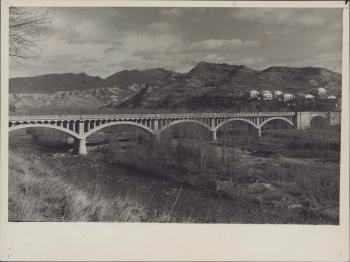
(95,129)
(183,121)
(276,118)
(60,128)
(235,119)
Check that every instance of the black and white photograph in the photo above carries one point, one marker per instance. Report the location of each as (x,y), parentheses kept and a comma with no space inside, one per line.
(175,115)
(174,130)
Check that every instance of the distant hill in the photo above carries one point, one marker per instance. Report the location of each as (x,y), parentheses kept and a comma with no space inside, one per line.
(51,83)
(303,79)
(129,77)
(69,102)
(211,85)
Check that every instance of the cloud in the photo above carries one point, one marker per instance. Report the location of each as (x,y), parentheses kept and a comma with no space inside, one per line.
(163,26)
(109,49)
(86,28)
(210,48)
(82,25)
(278,16)
(326,41)
(335,26)
(330,61)
(79,59)
(214,44)
(221,45)
(172,12)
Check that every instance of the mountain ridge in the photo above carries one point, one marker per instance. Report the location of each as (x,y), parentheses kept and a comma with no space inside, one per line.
(207,85)
(80,81)
(223,85)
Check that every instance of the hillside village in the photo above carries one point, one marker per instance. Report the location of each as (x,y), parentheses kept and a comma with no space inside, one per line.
(318,99)
(321,93)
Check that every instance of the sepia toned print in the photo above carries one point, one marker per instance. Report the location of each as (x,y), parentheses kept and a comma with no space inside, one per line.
(175,115)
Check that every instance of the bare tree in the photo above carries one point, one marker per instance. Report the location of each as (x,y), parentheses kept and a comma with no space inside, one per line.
(27,27)
(204,151)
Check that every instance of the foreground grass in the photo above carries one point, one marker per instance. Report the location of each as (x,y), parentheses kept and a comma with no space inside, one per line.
(36,193)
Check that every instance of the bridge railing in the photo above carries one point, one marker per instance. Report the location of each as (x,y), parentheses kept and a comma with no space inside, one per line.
(167,115)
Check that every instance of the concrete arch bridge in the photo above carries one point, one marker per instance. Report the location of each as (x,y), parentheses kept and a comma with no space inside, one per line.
(82,126)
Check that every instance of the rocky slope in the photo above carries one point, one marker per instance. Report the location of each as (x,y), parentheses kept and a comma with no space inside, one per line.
(76,93)
(128,77)
(69,102)
(51,83)
(227,86)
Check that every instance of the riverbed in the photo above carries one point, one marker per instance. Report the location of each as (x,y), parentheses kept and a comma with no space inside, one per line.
(157,193)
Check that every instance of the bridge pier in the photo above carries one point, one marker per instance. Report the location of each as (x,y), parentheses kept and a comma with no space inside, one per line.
(80,146)
(214,135)
(259,131)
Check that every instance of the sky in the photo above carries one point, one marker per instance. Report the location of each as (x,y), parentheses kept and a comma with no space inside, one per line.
(101,41)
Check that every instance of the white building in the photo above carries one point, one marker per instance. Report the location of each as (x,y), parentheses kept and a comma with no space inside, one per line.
(278,93)
(288,97)
(267,95)
(321,91)
(332,97)
(308,96)
(254,93)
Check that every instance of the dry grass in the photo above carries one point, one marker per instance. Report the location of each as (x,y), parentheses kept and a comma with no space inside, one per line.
(37,193)
(319,142)
(295,182)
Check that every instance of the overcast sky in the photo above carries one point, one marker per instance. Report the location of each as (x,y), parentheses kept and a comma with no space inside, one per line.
(102,41)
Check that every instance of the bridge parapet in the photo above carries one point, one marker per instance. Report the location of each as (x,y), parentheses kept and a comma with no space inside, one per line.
(133,116)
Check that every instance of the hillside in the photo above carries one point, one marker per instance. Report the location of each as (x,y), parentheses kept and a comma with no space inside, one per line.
(69,102)
(129,77)
(51,83)
(227,86)
(207,86)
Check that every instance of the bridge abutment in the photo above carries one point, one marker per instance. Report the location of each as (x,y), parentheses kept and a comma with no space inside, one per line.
(303,119)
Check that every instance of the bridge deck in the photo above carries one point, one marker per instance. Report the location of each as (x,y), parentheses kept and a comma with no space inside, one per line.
(152,116)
